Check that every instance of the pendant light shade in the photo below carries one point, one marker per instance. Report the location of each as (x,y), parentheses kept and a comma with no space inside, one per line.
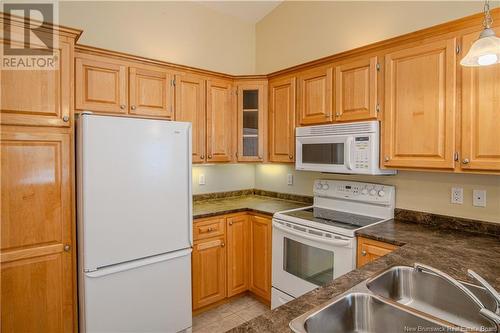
(486,50)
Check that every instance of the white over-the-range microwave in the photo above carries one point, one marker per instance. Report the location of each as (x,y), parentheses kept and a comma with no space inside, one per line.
(351,148)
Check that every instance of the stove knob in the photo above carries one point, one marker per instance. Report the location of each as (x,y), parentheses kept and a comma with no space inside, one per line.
(381,193)
(364,191)
(373,192)
(326,186)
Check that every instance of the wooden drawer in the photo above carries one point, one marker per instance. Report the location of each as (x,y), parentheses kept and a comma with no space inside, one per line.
(369,250)
(207,228)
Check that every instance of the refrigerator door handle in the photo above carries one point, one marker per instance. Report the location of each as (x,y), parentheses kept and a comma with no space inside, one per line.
(136,263)
(190,186)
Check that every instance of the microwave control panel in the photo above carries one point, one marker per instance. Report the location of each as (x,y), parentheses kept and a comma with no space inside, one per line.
(361,152)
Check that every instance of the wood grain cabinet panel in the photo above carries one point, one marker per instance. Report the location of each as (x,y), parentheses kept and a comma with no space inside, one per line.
(101,85)
(480,114)
(209,272)
(238,230)
(282,120)
(221,117)
(315,96)
(150,92)
(39,97)
(420,103)
(260,256)
(370,250)
(356,90)
(190,106)
(36,234)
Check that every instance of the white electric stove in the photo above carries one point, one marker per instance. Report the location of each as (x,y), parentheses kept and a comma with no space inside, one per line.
(314,245)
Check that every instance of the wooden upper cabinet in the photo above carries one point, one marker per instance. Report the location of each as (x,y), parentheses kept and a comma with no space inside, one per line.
(221,117)
(238,230)
(37,265)
(252,106)
(420,93)
(315,96)
(356,90)
(190,106)
(150,92)
(282,120)
(480,114)
(39,97)
(209,272)
(101,85)
(260,256)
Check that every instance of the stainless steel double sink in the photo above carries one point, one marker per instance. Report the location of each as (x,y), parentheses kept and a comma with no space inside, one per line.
(401,299)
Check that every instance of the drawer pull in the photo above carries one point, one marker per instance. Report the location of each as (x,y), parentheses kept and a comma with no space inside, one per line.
(363,253)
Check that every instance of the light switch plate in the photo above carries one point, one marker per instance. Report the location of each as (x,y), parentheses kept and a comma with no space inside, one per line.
(457,195)
(201,179)
(289,179)
(479,198)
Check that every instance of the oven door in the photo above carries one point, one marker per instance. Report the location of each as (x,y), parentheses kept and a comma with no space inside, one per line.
(324,153)
(305,258)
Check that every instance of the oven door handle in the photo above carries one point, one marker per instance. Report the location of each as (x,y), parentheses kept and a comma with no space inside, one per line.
(341,243)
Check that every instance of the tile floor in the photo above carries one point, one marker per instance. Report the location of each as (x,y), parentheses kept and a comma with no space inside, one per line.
(228,315)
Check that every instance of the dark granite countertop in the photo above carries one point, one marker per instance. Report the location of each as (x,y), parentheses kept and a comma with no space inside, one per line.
(255,203)
(451,251)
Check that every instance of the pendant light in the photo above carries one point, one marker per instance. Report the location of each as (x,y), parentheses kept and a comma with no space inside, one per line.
(486,49)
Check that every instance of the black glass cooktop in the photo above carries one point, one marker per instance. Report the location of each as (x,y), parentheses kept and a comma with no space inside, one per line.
(333,217)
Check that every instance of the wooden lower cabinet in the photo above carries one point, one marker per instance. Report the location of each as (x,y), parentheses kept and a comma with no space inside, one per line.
(37,261)
(369,250)
(260,256)
(237,254)
(233,263)
(209,272)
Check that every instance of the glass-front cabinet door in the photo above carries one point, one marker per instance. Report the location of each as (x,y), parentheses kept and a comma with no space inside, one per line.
(251,115)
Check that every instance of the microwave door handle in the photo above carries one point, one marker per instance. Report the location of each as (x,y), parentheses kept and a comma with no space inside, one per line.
(341,243)
(348,152)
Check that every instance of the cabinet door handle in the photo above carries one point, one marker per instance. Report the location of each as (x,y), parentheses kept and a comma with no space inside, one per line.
(230,222)
(465,161)
(122,106)
(66,119)
(386,159)
(202,157)
(222,244)
(133,107)
(363,253)
(209,156)
(67,248)
(290,157)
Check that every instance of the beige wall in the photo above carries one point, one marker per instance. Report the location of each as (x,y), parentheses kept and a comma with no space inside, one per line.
(186,33)
(422,191)
(224,177)
(300,31)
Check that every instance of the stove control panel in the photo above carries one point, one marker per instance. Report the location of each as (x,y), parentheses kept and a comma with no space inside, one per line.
(354,191)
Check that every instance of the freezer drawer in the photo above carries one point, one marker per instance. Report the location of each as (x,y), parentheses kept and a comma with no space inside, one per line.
(148,295)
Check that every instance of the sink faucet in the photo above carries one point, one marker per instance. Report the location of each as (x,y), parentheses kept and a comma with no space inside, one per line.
(482,309)
(490,290)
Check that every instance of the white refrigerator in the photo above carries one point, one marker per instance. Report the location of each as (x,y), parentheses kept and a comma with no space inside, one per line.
(134,224)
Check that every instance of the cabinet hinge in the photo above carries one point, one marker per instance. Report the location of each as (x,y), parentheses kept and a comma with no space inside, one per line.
(457,49)
(455,156)
(378,67)
(172,82)
(377,107)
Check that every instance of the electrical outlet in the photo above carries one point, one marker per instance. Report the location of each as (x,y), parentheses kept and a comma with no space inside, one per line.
(479,198)
(289,179)
(457,195)
(201,179)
